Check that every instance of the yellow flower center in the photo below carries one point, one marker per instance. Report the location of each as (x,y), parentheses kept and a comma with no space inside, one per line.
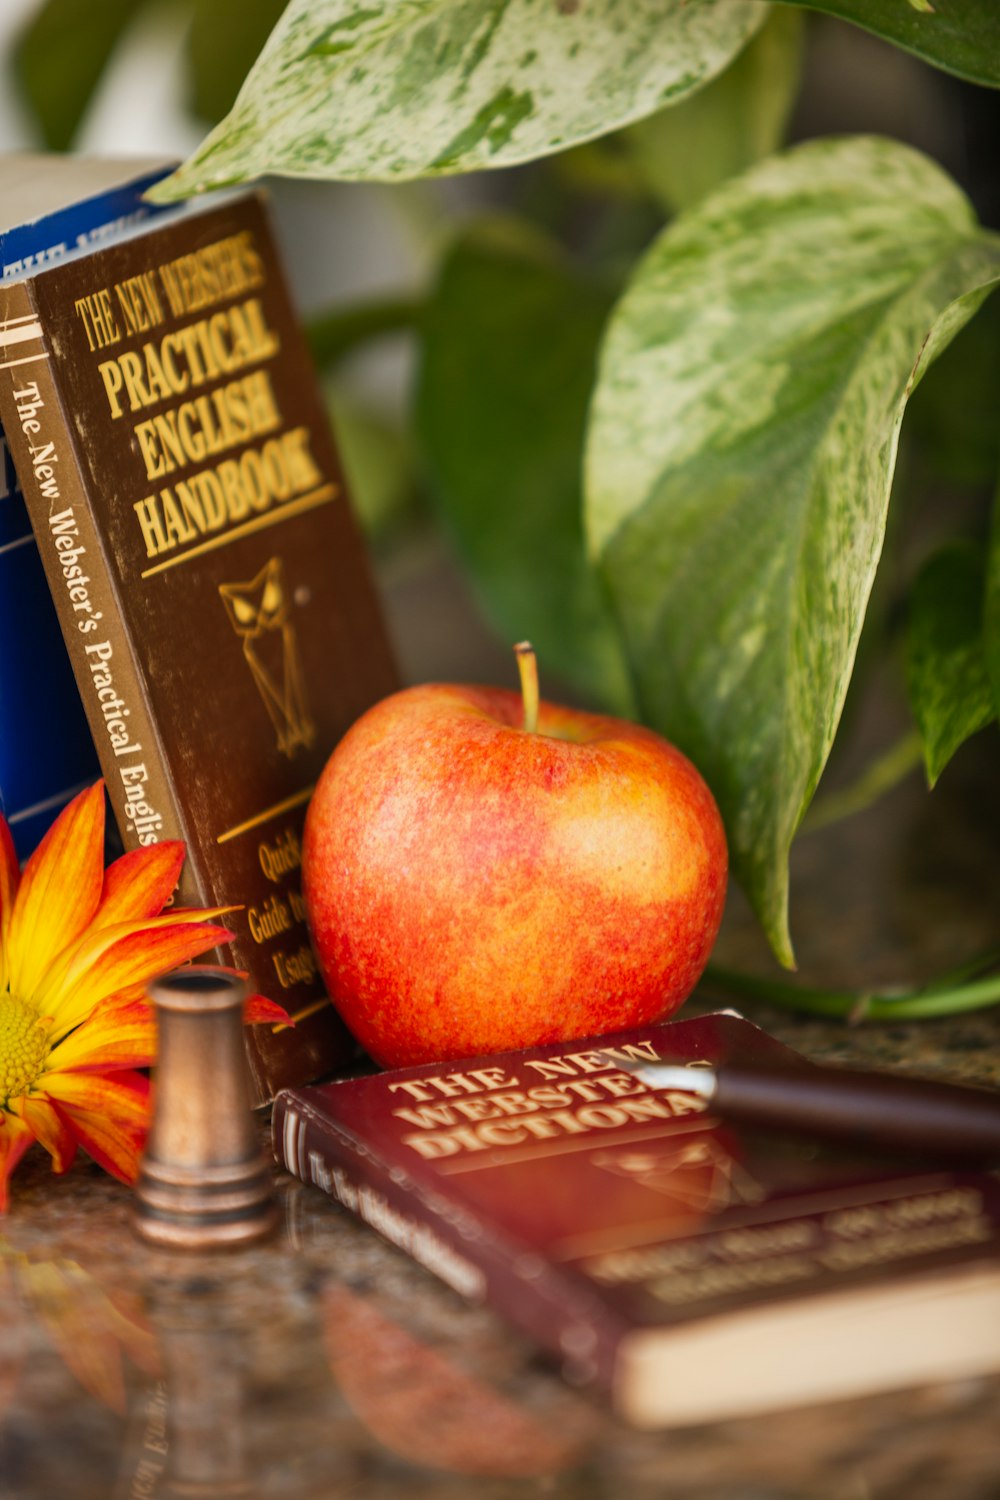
(24,1045)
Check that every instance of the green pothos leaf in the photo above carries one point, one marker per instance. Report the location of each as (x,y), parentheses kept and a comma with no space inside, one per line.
(61,55)
(991,606)
(390,89)
(740,455)
(960,36)
(954,411)
(510,344)
(690,148)
(946,673)
(223,41)
(378,463)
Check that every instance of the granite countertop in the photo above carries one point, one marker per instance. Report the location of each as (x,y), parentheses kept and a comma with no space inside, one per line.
(324,1364)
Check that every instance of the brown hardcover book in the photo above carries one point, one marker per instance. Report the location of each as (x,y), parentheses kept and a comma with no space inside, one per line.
(698,1271)
(178,469)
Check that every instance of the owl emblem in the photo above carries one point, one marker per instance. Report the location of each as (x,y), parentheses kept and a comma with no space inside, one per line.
(259,613)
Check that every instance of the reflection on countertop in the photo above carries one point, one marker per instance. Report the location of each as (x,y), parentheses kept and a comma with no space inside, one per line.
(323,1363)
(320,1363)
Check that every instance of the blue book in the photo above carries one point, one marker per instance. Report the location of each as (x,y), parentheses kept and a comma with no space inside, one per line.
(50,207)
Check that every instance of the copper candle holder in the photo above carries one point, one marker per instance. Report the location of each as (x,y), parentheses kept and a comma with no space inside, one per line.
(203,1180)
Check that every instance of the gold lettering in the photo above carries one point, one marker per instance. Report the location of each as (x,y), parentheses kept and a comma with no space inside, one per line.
(152,530)
(432,1146)
(477,1109)
(301,465)
(295,968)
(97,315)
(110,372)
(139,302)
(502,1134)
(227,268)
(188,439)
(254,482)
(159,386)
(223,344)
(193,511)
(268,921)
(229,477)
(178,379)
(152,456)
(178,529)
(280,856)
(132,373)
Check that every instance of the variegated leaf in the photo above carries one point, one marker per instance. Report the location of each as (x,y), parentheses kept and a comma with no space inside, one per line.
(740,454)
(391,89)
(688,149)
(946,666)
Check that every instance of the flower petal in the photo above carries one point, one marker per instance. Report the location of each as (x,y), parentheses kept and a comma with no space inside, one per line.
(15,1138)
(119,1033)
(119,957)
(127,1321)
(75,1311)
(258,1008)
(140,883)
(109,1116)
(49,1129)
(59,890)
(10,876)
(88,951)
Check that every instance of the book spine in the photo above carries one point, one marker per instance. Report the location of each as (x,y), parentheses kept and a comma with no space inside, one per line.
(107,673)
(476,1260)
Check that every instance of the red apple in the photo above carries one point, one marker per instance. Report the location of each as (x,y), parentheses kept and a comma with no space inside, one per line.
(483,872)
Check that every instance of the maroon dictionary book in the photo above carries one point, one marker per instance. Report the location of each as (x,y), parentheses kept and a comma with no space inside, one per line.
(696,1270)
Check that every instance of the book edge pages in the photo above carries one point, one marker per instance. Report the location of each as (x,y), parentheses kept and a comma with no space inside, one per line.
(35,186)
(835,1345)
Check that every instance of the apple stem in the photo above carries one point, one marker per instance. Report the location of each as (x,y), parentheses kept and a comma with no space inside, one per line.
(527,666)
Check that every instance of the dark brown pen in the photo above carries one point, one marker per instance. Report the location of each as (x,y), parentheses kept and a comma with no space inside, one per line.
(871,1109)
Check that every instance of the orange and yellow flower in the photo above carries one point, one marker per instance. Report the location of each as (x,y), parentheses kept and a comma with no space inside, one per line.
(78,946)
